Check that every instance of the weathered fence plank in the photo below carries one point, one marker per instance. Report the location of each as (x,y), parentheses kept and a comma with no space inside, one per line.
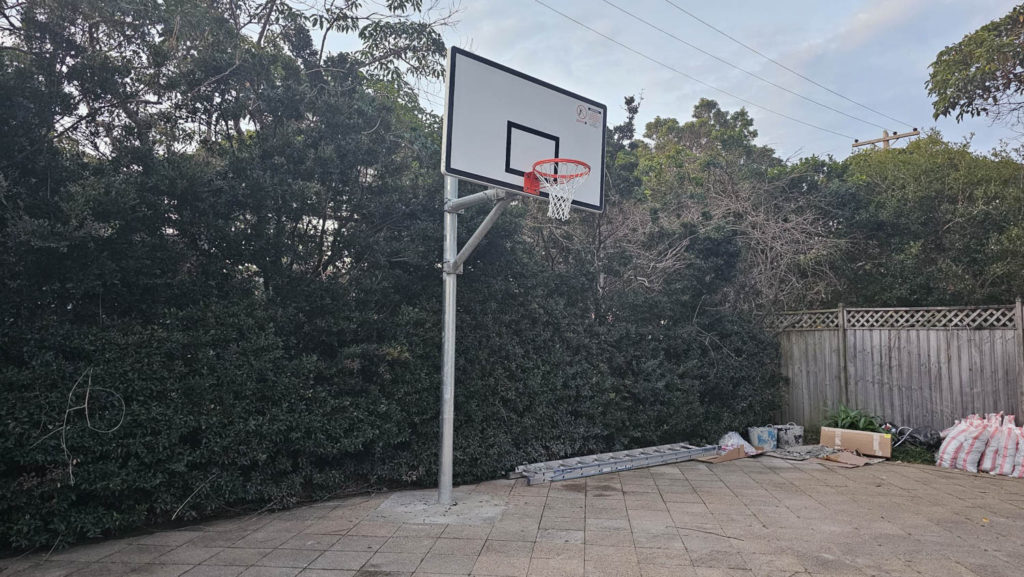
(913,366)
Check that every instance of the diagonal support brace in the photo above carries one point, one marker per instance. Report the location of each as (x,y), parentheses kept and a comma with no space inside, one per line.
(481,231)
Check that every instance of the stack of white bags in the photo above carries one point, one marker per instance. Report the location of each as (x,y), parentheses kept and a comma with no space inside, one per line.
(994,445)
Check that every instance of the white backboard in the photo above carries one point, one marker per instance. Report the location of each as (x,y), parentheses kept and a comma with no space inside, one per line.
(498,122)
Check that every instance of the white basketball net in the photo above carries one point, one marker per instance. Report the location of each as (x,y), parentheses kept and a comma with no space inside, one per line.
(560,179)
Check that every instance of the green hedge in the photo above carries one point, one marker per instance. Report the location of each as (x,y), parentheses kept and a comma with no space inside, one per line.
(233,398)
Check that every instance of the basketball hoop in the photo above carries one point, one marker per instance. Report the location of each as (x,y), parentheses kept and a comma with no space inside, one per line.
(559,177)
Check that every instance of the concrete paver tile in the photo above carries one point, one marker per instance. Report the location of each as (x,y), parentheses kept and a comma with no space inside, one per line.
(246,524)
(279,525)
(560,536)
(531,491)
(331,526)
(106,570)
(607,513)
(515,501)
(352,560)
(514,533)
(635,488)
(420,530)
(563,512)
(326,573)
(463,547)
(662,571)
(264,539)
(599,553)
(706,541)
(762,562)
(693,508)
(607,524)
(44,569)
(611,569)
(214,571)
(682,497)
(314,541)
(508,548)
(522,514)
(374,529)
(564,523)
(663,557)
(550,550)
(719,572)
(237,556)
(663,540)
(408,545)
(826,564)
(718,558)
(299,558)
(613,493)
(613,538)
(89,552)
(382,561)
(188,555)
(556,568)
(358,543)
(606,502)
(447,564)
(169,538)
(270,572)
(501,566)
(154,570)
(138,554)
(467,531)
(217,538)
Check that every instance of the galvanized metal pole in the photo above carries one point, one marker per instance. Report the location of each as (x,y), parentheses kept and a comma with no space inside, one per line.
(451,226)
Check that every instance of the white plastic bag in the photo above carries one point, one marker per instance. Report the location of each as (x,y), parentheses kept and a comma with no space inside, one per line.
(1000,437)
(976,442)
(954,440)
(732,439)
(1007,456)
(1018,459)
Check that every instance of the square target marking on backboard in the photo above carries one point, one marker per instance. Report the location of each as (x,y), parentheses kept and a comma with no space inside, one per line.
(499,121)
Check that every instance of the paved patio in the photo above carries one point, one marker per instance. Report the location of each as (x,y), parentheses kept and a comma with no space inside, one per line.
(752,517)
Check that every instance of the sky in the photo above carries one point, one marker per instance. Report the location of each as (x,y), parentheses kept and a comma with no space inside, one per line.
(873,52)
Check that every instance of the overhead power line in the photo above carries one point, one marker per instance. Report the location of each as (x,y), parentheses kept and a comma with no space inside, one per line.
(743,70)
(694,79)
(781,65)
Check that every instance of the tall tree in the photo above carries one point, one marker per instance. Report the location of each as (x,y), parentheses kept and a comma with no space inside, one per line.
(930,224)
(983,74)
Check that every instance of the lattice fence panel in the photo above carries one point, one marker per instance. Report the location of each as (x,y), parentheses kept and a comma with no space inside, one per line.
(959,318)
(810,320)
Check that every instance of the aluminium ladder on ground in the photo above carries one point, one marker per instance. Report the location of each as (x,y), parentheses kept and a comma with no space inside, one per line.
(577,467)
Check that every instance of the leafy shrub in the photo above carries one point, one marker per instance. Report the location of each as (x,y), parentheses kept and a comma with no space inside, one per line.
(857,420)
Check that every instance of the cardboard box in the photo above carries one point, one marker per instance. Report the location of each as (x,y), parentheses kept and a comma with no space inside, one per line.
(865,443)
(730,455)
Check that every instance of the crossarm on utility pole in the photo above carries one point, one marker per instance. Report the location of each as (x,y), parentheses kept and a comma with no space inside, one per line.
(479,235)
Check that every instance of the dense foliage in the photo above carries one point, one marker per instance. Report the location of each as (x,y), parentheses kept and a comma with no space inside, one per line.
(983,74)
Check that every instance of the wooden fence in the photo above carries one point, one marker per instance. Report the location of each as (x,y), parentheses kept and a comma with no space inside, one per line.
(912,366)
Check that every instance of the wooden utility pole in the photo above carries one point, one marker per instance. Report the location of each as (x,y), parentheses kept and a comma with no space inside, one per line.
(886,137)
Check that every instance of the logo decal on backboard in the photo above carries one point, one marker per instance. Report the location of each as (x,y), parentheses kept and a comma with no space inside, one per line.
(589,115)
